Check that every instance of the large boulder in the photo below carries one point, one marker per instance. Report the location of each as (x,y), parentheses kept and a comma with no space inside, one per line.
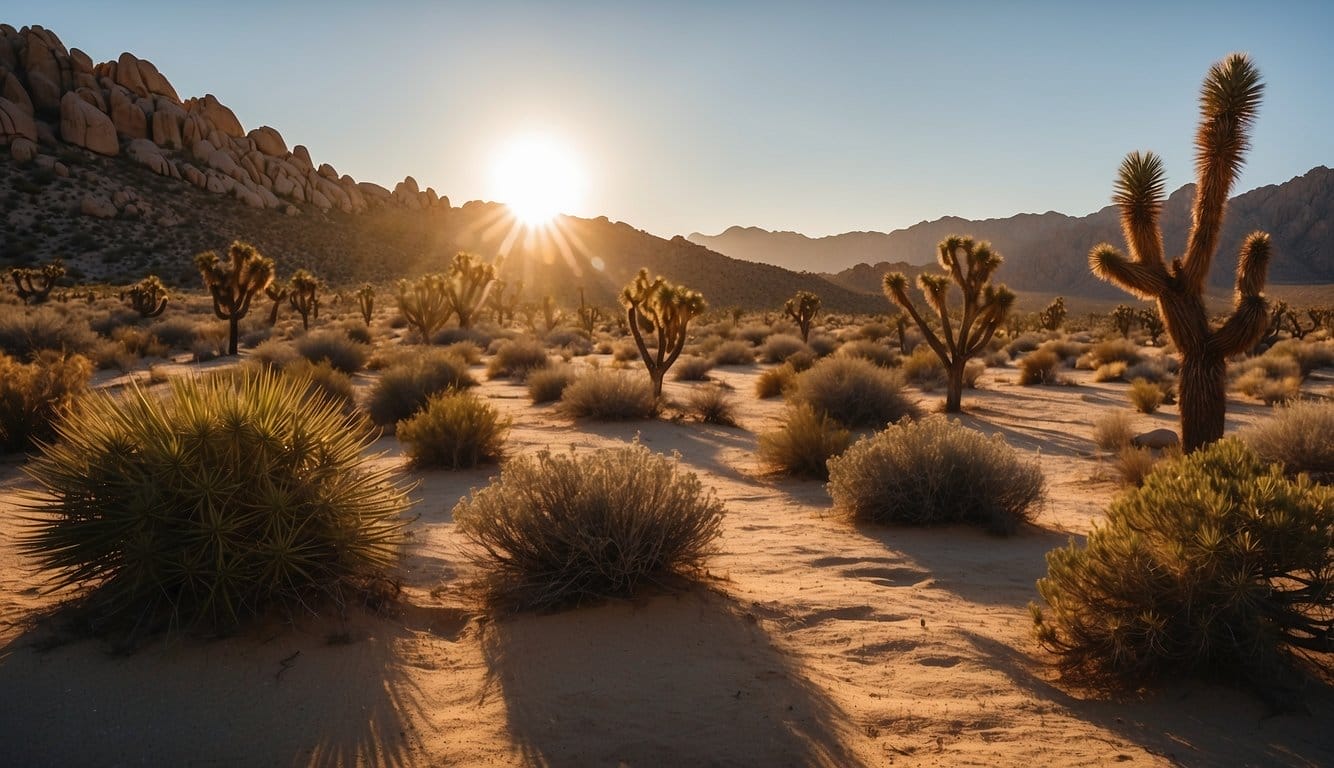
(12,89)
(15,122)
(165,126)
(82,125)
(217,114)
(148,154)
(129,119)
(1157,439)
(302,157)
(22,150)
(268,141)
(48,66)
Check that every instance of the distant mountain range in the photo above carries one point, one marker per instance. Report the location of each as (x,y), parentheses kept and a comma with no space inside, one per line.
(1048,252)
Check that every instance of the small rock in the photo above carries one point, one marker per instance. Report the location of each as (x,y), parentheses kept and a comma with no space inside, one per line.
(98,207)
(22,150)
(1157,439)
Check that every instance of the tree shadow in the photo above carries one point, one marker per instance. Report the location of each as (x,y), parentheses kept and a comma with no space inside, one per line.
(1189,723)
(685,680)
(326,692)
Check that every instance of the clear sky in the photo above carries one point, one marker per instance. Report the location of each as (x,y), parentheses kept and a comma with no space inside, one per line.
(819,117)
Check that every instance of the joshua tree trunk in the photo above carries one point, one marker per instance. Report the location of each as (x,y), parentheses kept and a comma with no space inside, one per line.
(954,386)
(1202,389)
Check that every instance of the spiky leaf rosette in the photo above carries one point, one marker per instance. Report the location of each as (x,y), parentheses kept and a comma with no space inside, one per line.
(232,495)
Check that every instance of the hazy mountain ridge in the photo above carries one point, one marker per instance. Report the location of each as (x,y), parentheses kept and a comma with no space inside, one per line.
(1048,252)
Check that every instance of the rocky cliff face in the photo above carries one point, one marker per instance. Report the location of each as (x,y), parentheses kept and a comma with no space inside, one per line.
(52,96)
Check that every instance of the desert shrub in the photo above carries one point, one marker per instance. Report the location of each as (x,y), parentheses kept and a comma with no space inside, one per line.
(358,333)
(1109,351)
(336,349)
(447,336)
(404,387)
(874,331)
(800,361)
(1039,367)
(880,354)
(821,345)
(780,346)
(176,332)
(935,471)
(691,368)
(754,334)
(804,444)
(575,340)
(323,380)
(610,396)
(139,342)
(1134,463)
(1308,355)
(274,353)
(1158,369)
(734,353)
(558,529)
(972,372)
(1113,371)
(853,392)
(712,404)
(256,336)
(467,351)
(996,359)
(1025,343)
(775,381)
(210,343)
(625,352)
(1273,379)
(26,331)
(33,395)
(548,385)
(1146,396)
(1065,349)
(455,430)
(517,358)
(923,369)
(218,501)
(1112,431)
(1298,437)
(105,323)
(1218,566)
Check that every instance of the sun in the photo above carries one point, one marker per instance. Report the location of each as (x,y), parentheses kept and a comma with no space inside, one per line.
(538,177)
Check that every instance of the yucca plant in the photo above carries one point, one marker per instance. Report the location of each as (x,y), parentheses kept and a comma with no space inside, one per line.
(304,296)
(1229,103)
(232,495)
(657,306)
(148,297)
(802,308)
(468,280)
(234,282)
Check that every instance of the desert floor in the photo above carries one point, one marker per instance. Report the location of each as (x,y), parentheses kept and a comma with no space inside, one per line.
(811,642)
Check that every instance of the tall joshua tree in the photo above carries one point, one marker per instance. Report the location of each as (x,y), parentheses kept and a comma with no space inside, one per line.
(969,264)
(424,303)
(1050,319)
(234,282)
(802,308)
(304,296)
(469,279)
(1229,102)
(657,306)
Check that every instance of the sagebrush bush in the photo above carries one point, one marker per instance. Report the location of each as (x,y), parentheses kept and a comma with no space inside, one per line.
(405,386)
(1145,395)
(339,351)
(216,502)
(935,471)
(1276,379)
(775,381)
(804,444)
(754,334)
(734,353)
(1112,431)
(821,344)
(972,372)
(176,332)
(880,354)
(607,395)
(1299,437)
(1041,366)
(1068,350)
(1134,463)
(560,529)
(548,385)
(1219,566)
(466,351)
(1025,343)
(923,369)
(517,358)
(323,380)
(456,430)
(449,336)
(26,331)
(692,368)
(780,346)
(1113,371)
(712,404)
(33,395)
(1308,355)
(1110,351)
(854,392)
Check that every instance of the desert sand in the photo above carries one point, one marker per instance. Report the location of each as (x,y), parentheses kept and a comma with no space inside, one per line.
(809,642)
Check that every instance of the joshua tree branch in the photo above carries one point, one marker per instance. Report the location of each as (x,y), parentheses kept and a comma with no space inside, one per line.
(1146,281)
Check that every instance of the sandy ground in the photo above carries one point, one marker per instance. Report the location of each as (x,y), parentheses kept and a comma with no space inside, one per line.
(812,642)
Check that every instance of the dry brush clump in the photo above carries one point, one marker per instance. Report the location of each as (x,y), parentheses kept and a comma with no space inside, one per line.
(606,395)
(804,444)
(1145,395)
(712,404)
(34,395)
(334,348)
(1297,437)
(775,381)
(558,530)
(933,472)
(516,359)
(455,430)
(692,368)
(780,346)
(548,384)
(1219,567)
(854,392)
(404,387)
(229,496)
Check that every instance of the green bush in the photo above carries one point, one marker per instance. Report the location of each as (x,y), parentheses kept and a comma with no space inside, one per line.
(712,404)
(227,497)
(1218,566)
(854,392)
(33,395)
(804,444)
(456,430)
(517,358)
(935,471)
(563,529)
(610,396)
(405,386)
(1298,437)
(339,351)
(548,385)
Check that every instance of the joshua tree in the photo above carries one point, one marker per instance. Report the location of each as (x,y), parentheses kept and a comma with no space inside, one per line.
(970,265)
(658,306)
(468,279)
(34,284)
(551,314)
(589,316)
(148,297)
(304,296)
(503,305)
(1123,318)
(278,293)
(1051,318)
(425,304)
(366,301)
(1152,323)
(1229,101)
(802,308)
(233,283)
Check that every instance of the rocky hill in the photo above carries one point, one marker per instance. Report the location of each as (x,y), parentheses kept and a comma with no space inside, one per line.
(1048,252)
(110,169)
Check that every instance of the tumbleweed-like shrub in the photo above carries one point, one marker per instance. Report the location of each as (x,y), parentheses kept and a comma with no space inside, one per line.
(562,529)
(517,358)
(324,380)
(880,354)
(804,444)
(692,368)
(456,430)
(226,497)
(854,392)
(607,395)
(712,404)
(935,471)
(781,346)
(734,353)
(1299,438)
(775,381)
(405,386)
(1041,366)
(33,395)
(548,384)
(337,349)
(1145,395)
(1219,566)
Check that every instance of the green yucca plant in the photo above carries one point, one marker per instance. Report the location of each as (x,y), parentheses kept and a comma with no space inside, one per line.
(234,282)
(232,495)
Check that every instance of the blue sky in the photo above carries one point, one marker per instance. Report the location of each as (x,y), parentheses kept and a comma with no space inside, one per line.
(814,117)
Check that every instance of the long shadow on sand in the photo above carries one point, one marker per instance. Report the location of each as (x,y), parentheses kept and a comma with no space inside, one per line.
(325,694)
(1189,724)
(685,680)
